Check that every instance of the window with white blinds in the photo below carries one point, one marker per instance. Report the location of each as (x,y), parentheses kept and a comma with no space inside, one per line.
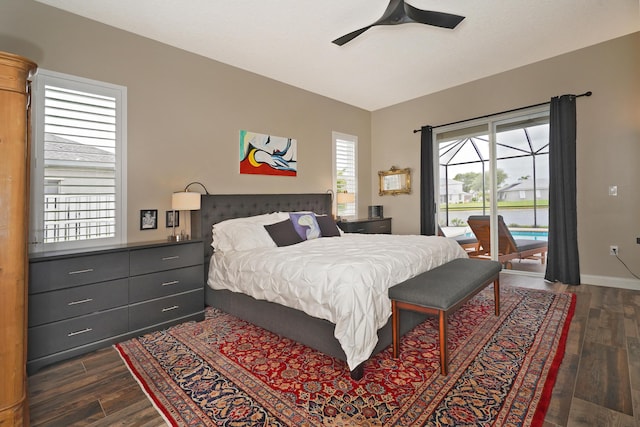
(345,174)
(78,162)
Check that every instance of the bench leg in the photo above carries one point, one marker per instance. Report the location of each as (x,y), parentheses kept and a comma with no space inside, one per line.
(496,294)
(395,327)
(442,320)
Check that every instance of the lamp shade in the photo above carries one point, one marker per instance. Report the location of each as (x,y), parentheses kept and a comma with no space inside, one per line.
(185,201)
(345,197)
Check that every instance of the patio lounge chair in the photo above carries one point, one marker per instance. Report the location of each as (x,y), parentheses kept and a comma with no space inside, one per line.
(467,243)
(508,247)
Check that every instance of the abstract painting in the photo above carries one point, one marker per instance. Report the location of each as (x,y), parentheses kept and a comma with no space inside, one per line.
(262,154)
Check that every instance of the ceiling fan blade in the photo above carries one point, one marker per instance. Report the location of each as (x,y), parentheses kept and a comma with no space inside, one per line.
(352,35)
(394,14)
(437,19)
(399,12)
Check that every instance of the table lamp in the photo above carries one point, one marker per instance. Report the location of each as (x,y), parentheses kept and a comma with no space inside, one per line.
(185,201)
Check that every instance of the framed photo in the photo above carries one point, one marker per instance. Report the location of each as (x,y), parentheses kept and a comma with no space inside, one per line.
(173,219)
(148,219)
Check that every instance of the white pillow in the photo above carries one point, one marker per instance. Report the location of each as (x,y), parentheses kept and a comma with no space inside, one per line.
(258,219)
(241,234)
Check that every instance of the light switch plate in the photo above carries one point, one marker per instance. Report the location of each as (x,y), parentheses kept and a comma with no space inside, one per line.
(613,190)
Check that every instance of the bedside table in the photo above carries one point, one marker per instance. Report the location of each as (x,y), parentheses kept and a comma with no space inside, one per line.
(366,226)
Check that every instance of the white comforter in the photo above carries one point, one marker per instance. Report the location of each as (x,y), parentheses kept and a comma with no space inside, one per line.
(340,279)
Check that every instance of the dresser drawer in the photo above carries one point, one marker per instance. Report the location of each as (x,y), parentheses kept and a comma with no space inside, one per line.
(54,337)
(161,310)
(80,270)
(382,226)
(367,226)
(164,283)
(352,227)
(66,303)
(149,260)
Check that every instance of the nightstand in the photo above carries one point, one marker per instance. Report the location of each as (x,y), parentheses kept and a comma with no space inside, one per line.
(366,226)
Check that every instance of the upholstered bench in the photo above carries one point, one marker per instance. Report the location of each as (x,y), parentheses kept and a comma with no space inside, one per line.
(440,292)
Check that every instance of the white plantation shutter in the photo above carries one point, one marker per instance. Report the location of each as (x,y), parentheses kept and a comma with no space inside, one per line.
(346,173)
(78,162)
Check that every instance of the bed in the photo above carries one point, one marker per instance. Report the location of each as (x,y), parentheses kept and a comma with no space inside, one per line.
(351,340)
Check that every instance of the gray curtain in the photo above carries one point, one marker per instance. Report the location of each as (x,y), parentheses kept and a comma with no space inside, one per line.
(562,258)
(427,187)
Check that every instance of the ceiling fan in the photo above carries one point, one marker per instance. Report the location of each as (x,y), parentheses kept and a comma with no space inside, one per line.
(399,12)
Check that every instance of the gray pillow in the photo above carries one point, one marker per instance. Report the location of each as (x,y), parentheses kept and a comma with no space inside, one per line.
(328,227)
(283,233)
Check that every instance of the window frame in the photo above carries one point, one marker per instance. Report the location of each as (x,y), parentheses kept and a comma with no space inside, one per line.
(36,229)
(338,136)
(489,124)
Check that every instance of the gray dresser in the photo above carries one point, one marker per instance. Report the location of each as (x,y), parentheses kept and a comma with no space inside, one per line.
(82,301)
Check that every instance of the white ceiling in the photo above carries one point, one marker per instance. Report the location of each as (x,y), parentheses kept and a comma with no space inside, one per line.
(290,40)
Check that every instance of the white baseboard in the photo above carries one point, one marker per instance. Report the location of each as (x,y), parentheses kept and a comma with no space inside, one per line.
(611,282)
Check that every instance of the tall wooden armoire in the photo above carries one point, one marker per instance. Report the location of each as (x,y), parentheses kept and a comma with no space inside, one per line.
(15,73)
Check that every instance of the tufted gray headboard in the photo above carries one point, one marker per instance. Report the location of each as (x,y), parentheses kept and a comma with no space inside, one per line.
(219,207)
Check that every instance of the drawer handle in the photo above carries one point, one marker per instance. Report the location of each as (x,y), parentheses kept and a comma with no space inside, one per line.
(170,308)
(88,270)
(173,282)
(82,301)
(168,258)
(83,331)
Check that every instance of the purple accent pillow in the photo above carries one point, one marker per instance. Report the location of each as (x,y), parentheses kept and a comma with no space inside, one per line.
(305,224)
(283,233)
(328,227)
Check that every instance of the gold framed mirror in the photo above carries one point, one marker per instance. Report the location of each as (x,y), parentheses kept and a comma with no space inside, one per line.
(395,181)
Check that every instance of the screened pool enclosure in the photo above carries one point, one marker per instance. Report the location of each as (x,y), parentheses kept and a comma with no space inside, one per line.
(522,174)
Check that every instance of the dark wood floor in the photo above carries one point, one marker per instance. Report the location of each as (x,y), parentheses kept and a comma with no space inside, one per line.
(598,383)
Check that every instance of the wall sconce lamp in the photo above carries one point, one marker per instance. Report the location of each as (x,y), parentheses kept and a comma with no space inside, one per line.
(330,191)
(185,201)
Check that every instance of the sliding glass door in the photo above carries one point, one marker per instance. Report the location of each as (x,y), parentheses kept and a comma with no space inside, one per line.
(493,179)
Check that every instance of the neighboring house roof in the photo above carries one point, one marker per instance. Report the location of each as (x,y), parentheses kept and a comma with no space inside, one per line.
(450,181)
(508,187)
(62,149)
(452,184)
(525,185)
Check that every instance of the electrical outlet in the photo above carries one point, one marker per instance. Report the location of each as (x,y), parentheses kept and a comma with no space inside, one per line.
(613,250)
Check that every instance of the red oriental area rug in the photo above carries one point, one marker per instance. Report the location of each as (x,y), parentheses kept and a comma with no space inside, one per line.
(224,371)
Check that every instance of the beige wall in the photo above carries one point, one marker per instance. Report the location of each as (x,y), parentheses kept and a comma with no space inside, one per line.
(608,141)
(185,111)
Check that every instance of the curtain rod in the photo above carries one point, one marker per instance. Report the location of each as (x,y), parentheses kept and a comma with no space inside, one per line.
(588,93)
